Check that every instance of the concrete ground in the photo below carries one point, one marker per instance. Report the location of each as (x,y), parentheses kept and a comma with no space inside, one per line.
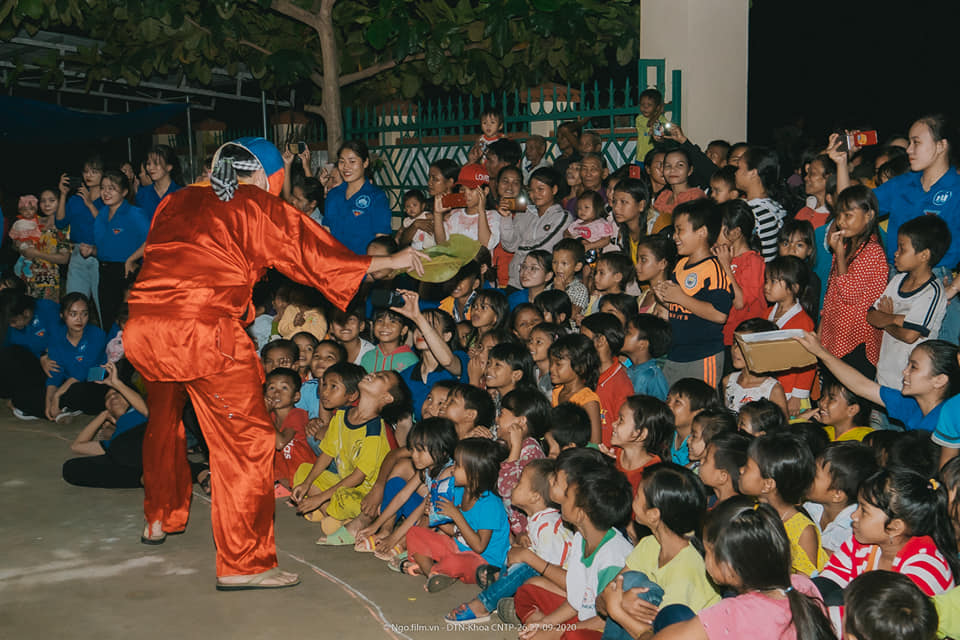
(71,564)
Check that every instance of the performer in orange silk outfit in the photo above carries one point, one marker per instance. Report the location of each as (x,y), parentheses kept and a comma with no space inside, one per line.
(207,246)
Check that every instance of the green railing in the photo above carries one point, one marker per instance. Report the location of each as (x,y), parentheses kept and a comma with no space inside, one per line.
(406,137)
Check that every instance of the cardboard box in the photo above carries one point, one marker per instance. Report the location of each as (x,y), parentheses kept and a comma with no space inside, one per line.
(770,351)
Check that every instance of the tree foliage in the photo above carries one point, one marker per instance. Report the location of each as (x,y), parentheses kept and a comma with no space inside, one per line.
(381,48)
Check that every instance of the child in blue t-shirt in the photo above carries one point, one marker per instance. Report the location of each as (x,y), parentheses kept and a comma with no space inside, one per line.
(480,532)
(647,338)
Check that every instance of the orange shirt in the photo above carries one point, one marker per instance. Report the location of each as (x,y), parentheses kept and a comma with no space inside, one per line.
(192,298)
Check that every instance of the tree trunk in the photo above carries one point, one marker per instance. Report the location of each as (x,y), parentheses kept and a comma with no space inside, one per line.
(330,105)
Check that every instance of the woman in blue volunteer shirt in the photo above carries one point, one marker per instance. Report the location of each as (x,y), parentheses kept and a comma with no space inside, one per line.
(119,232)
(25,326)
(356,211)
(163,167)
(76,347)
(78,213)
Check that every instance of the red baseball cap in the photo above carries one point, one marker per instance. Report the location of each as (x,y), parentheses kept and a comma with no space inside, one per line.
(473,176)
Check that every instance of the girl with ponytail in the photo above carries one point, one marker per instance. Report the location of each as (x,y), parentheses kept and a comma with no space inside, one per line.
(902,524)
(748,551)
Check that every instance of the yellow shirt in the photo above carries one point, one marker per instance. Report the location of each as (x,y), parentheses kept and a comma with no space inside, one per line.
(856,434)
(362,446)
(801,563)
(684,578)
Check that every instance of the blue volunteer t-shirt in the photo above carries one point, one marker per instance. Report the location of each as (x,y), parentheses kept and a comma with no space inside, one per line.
(77,216)
(488,512)
(76,361)
(36,335)
(947,433)
(906,410)
(357,220)
(518,297)
(420,389)
(118,237)
(148,198)
(127,422)
(903,198)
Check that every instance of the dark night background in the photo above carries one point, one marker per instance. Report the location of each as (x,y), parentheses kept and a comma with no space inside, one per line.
(817,64)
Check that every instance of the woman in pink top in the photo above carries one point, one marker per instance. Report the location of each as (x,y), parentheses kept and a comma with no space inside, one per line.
(677,170)
(748,551)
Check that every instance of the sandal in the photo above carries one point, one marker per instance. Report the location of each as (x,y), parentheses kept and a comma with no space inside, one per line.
(405,566)
(339,538)
(486,575)
(150,535)
(260,581)
(367,544)
(394,552)
(465,615)
(205,483)
(439,582)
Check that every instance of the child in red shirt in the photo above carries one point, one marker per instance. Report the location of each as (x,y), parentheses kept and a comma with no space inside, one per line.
(613,385)
(282,391)
(744,266)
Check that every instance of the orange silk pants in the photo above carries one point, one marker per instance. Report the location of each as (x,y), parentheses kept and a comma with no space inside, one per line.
(241,440)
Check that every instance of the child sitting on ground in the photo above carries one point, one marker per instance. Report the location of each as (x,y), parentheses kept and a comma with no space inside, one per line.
(671,502)
(465,285)
(687,397)
(613,384)
(524,317)
(568,256)
(541,338)
(550,544)
(647,338)
(707,425)
(326,354)
(842,413)
(281,391)
(574,370)
(569,429)
(390,329)
(640,436)
(338,390)
(522,422)
(761,417)
(346,328)
(278,353)
(725,455)
(306,343)
(882,604)
(612,273)
(596,501)
(472,411)
(509,367)
(356,440)
(479,533)
(779,471)
(832,498)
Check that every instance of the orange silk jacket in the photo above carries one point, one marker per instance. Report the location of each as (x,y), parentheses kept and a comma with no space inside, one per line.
(192,299)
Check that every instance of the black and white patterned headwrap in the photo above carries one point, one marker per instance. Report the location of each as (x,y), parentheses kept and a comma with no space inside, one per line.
(223,177)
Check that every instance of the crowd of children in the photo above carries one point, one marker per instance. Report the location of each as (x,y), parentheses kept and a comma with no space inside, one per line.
(570,422)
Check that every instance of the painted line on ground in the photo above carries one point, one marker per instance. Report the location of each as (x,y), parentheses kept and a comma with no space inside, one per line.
(372,607)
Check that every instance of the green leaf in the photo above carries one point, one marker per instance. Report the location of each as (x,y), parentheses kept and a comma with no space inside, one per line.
(475,31)
(625,53)
(378,32)
(410,85)
(31,8)
(548,6)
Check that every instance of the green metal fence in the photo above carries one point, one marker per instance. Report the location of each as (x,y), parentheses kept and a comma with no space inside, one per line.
(406,137)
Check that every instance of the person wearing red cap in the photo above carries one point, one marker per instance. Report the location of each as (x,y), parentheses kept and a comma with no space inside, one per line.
(469,220)
(208,245)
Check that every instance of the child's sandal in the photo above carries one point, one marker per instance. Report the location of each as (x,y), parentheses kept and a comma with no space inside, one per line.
(410,568)
(367,544)
(396,551)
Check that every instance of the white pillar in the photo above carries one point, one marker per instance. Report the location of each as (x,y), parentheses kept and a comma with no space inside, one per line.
(707,40)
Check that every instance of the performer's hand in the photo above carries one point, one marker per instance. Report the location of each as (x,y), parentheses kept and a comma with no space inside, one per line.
(409,258)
